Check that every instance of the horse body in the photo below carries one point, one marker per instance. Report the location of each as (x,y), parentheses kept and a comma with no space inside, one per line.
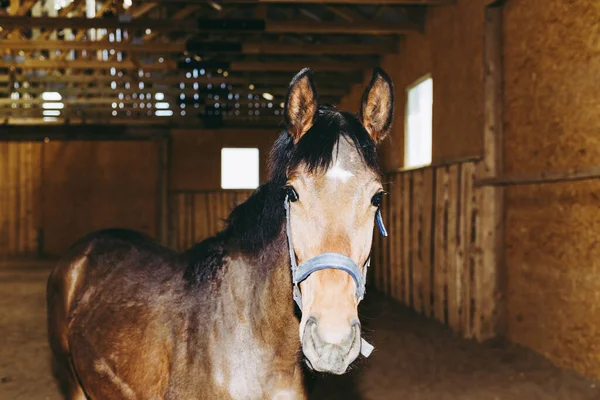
(129,319)
(169,337)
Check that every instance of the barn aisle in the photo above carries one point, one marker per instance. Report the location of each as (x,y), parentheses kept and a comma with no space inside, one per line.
(415,358)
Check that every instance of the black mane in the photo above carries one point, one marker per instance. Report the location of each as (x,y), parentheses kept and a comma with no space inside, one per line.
(258,221)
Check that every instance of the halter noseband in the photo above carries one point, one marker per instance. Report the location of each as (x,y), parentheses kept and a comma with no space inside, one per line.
(329,261)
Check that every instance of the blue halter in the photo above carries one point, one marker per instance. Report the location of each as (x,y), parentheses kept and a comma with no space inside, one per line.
(329,261)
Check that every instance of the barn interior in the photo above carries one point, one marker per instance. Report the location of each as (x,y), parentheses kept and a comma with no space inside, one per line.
(129,113)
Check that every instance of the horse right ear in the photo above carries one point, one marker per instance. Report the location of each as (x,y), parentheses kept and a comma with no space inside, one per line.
(301,104)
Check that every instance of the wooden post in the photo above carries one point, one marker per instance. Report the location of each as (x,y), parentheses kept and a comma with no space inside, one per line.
(162,222)
(490,274)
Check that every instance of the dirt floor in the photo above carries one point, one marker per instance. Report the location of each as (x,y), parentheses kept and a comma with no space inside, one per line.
(415,359)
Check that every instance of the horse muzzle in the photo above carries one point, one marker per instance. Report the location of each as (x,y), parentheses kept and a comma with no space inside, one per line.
(324,356)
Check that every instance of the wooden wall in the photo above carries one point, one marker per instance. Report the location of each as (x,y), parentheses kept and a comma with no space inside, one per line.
(433,258)
(197,215)
(552,123)
(53,193)
(196,155)
(20,216)
(450,49)
(91,185)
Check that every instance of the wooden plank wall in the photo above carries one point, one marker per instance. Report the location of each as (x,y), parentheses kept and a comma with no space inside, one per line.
(20,177)
(432,260)
(197,215)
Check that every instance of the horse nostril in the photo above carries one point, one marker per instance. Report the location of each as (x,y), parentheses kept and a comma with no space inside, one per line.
(311,321)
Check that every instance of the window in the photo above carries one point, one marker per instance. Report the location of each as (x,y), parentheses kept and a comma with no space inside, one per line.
(239,168)
(419,124)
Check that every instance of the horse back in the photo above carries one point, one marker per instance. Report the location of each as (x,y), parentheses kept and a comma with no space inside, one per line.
(107,324)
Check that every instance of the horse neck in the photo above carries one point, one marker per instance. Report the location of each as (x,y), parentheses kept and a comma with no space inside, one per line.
(265,280)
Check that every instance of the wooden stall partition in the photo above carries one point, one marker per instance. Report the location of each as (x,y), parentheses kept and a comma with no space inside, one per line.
(20,177)
(433,258)
(197,215)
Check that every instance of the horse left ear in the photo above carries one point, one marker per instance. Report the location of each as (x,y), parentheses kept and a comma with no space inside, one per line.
(377,108)
(301,104)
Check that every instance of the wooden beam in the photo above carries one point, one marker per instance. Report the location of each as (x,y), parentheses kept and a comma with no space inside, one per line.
(179,15)
(323,80)
(142,9)
(364,27)
(25,7)
(9,103)
(135,129)
(173,90)
(90,64)
(571,175)
(489,263)
(92,131)
(295,66)
(193,26)
(74,6)
(345,13)
(235,66)
(317,48)
(211,48)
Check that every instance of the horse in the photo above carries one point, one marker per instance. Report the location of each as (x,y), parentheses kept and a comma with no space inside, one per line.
(131,319)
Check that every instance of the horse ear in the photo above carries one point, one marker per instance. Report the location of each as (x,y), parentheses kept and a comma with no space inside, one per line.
(377,108)
(301,104)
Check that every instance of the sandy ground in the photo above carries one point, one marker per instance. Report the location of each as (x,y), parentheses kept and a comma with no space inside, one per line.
(414,359)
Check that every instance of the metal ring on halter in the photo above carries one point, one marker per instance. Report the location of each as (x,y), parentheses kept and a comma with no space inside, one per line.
(329,261)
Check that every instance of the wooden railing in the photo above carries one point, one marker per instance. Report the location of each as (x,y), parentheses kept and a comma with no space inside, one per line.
(196,215)
(432,260)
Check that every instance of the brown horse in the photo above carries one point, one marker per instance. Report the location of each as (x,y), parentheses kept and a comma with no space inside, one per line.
(129,319)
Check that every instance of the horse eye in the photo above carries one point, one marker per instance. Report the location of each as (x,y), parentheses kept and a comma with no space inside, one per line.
(291,194)
(376,200)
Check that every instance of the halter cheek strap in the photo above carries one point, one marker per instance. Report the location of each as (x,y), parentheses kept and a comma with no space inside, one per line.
(329,261)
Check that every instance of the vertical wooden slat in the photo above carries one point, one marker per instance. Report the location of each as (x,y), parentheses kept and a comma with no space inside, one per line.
(4,213)
(406,236)
(417,231)
(426,241)
(465,251)
(33,204)
(189,214)
(162,203)
(385,255)
(477,272)
(210,215)
(182,225)
(394,232)
(28,195)
(453,277)
(224,209)
(440,261)
(173,222)
(396,238)
(199,219)
(13,209)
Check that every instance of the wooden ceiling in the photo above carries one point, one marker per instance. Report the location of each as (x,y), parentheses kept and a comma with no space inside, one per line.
(217,63)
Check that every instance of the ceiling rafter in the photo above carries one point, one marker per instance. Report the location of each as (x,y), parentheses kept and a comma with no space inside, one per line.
(229,26)
(194,48)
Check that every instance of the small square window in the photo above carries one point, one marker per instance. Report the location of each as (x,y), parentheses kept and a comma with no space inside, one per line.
(239,168)
(419,113)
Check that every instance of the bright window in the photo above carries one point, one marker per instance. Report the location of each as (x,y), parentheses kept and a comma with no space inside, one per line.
(239,168)
(419,124)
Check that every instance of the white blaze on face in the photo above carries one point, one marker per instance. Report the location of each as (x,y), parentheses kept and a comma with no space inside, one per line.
(339,173)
